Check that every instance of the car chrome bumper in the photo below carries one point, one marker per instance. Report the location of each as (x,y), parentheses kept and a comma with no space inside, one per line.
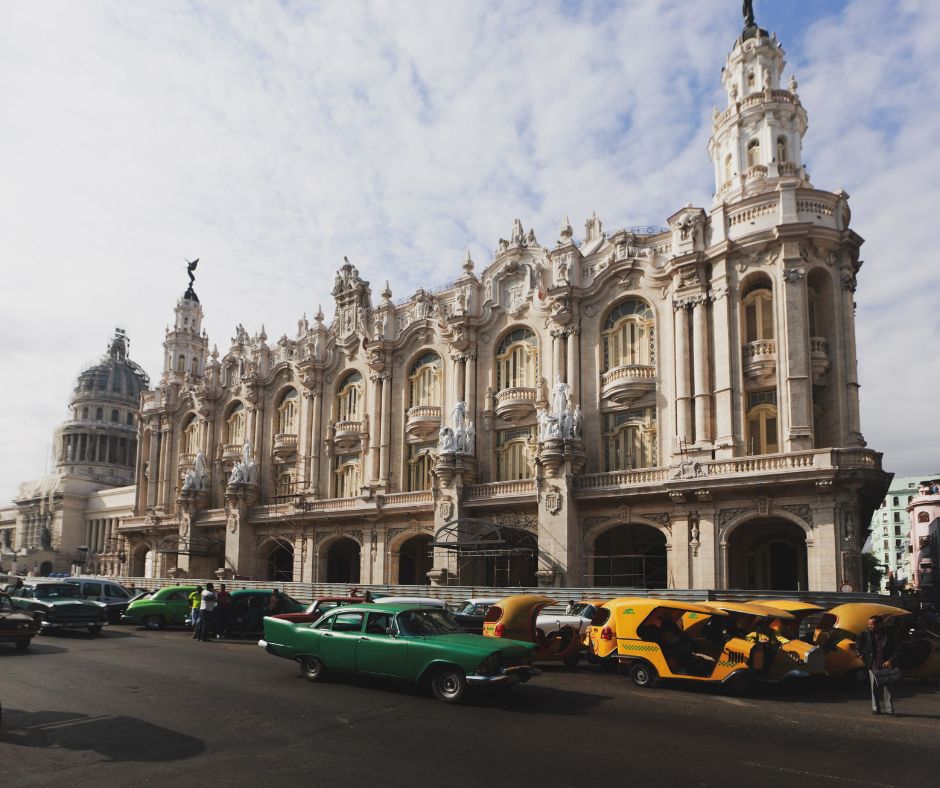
(73,624)
(130,620)
(263,643)
(508,676)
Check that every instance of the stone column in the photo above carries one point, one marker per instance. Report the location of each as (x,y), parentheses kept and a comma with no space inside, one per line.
(316,440)
(850,361)
(385,431)
(574,364)
(375,427)
(460,378)
(796,409)
(701,369)
(683,394)
(306,438)
(724,403)
(559,363)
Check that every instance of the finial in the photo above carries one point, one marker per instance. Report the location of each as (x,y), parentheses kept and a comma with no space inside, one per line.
(468,263)
(387,292)
(263,335)
(319,315)
(215,352)
(566,231)
(346,260)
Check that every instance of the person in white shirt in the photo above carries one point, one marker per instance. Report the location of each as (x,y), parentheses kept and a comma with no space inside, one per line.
(207,607)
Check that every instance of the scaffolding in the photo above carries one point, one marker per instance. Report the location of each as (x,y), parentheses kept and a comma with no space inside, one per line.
(506,545)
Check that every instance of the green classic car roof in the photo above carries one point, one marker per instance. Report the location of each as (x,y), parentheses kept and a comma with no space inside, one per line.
(378,607)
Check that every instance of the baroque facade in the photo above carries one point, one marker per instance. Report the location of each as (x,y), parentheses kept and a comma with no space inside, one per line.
(649,407)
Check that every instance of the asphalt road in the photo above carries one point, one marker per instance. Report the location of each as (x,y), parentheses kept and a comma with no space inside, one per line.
(136,708)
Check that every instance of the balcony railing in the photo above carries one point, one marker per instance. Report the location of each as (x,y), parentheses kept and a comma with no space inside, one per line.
(819,356)
(285,443)
(514,404)
(187,460)
(232,451)
(500,489)
(416,498)
(760,359)
(422,421)
(628,383)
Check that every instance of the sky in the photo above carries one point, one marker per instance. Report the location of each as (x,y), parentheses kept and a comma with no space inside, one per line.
(272,139)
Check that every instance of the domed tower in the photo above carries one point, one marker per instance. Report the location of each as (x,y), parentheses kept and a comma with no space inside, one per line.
(186,346)
(100,441)
(757,141)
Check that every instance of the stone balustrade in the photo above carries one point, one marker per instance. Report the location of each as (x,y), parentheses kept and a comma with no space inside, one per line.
(515,403)
(628,382)
(499,489)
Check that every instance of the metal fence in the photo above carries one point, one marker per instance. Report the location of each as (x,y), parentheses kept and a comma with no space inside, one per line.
(305,592)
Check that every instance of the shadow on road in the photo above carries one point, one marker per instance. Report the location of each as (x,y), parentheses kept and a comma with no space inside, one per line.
(36,648)
(115,738)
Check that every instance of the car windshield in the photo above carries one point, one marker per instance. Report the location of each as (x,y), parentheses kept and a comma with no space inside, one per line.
(59,591)
(465,608)
(427,622)
(582,609)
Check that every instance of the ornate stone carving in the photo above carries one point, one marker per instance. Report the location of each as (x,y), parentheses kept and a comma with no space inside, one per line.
(553,500)
(726,516)
(663,518)
(801,510)
(794,275)
(446,508)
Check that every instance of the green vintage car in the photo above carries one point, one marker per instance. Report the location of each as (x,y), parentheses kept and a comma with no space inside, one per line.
(416,644)
(165,607)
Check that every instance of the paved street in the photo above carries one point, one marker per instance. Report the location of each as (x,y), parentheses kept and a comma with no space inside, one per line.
(155,708)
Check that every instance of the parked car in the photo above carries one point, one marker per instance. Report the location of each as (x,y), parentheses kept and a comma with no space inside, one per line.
(16,626)
(469,613)
(165,607)
(59,605)
(405,642)
(318,607)
(516,617)
(577,615)
(630,631)
(249,606)
(112,595)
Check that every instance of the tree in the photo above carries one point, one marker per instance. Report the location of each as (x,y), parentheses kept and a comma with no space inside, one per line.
(872,572)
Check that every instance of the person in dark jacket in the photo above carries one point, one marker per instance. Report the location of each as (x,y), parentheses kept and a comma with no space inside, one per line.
(876,646)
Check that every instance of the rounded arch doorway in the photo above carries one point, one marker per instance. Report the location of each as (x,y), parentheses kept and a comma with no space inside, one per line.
(279,561)
(342,561)
(629,555)
(767,555)
(414,561)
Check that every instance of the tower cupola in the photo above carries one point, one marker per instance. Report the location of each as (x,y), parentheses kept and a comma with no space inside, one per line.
(186,346)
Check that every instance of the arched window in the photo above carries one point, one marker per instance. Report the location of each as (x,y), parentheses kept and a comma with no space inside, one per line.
(923,517)
(753,153)
(346,470)
(630,439)
(130,419)
(729,168)
(235,424)
(99,415)
(349,398)
(285,485)
(190,436)
(85,413)
(895,501)
(759,314)
(420,462)
(629,336)
(512,454)
(782,149)
(181,365)
(287,413)
(115,416)
(194,367)
(762,423)
(751,79)
(517,360)
(424,379)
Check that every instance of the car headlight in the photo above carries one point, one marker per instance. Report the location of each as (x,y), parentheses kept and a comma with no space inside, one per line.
(489,666)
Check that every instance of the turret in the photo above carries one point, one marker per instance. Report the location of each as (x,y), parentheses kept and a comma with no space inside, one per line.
(186,346)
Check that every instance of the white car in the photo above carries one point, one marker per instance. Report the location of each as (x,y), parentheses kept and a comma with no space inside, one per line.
(423,601)
(577,615)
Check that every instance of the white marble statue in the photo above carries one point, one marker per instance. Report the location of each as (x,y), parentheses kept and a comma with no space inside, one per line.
(458,415)
(446,441)
(559,397)
(576,419)
(567,422)
(468,437)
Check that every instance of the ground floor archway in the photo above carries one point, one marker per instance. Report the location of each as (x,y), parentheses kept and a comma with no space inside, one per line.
(414,561)
(342,561)
(487,552)
(279,561)
(767,554)
(631,555)
(45,569)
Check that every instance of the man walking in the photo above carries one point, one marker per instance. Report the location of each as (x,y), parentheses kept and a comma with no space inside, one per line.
(223,606)
(195,600)
(207,607)
(876,646)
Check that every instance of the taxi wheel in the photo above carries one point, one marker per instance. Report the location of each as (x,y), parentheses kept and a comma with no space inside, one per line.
(312,668)
(643,674)
(449,685)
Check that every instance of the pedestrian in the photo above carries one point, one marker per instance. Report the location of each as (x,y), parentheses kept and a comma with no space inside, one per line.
(275,603)
(876,646)
(224,606)
(207,606)
(195,599)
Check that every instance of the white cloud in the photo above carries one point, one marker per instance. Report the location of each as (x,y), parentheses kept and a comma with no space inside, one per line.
(272,139)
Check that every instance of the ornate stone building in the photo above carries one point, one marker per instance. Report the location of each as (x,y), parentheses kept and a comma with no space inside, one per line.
(69,519)
(652,407)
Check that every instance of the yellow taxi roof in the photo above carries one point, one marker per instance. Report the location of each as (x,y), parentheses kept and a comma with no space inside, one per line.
(648,603)
(853,617)
(790,605)
(750,609)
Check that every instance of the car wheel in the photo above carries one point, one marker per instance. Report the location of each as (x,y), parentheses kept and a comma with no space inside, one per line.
(449,685)
(153,622)
(643,674)
(22,645)
(94,629)
(572,660)
(312,668)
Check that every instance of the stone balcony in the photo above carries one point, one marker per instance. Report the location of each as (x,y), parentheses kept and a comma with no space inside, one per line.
(627,383)
(422,422)
(285,445)
(516,403)
(347,434)
(187,460)
(232,452)
(819,356)
(760,360)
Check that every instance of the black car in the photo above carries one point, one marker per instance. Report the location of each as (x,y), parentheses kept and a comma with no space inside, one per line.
(16,626)
(59,605)
(469,614)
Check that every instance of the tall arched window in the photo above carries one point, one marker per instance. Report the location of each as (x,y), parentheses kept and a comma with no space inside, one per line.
(181,365)
(190,436)
(753,153)
(512,454)
(424,380)
(762,423)
(629,336)
(758,313)
(782,149)
(729,168)
(517,360)
(287,413)
(115,416)
(99,414)
(194,366)
(630,439)
(235,424)
(420,462)
(346,471)
(349,398)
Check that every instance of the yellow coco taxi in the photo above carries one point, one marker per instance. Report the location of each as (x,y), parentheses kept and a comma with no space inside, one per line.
(648,638)
(785,657)
(838,631)
(801,612)
(516,617)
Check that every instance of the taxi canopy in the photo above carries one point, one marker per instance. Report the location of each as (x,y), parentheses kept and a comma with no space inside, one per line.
(517,614)
(751,609)
(853,617)
(627,613)
(790,605)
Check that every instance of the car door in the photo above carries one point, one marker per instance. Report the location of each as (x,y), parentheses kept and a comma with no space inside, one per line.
(92,591)
(378,652)
(338,647)
(177,604)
